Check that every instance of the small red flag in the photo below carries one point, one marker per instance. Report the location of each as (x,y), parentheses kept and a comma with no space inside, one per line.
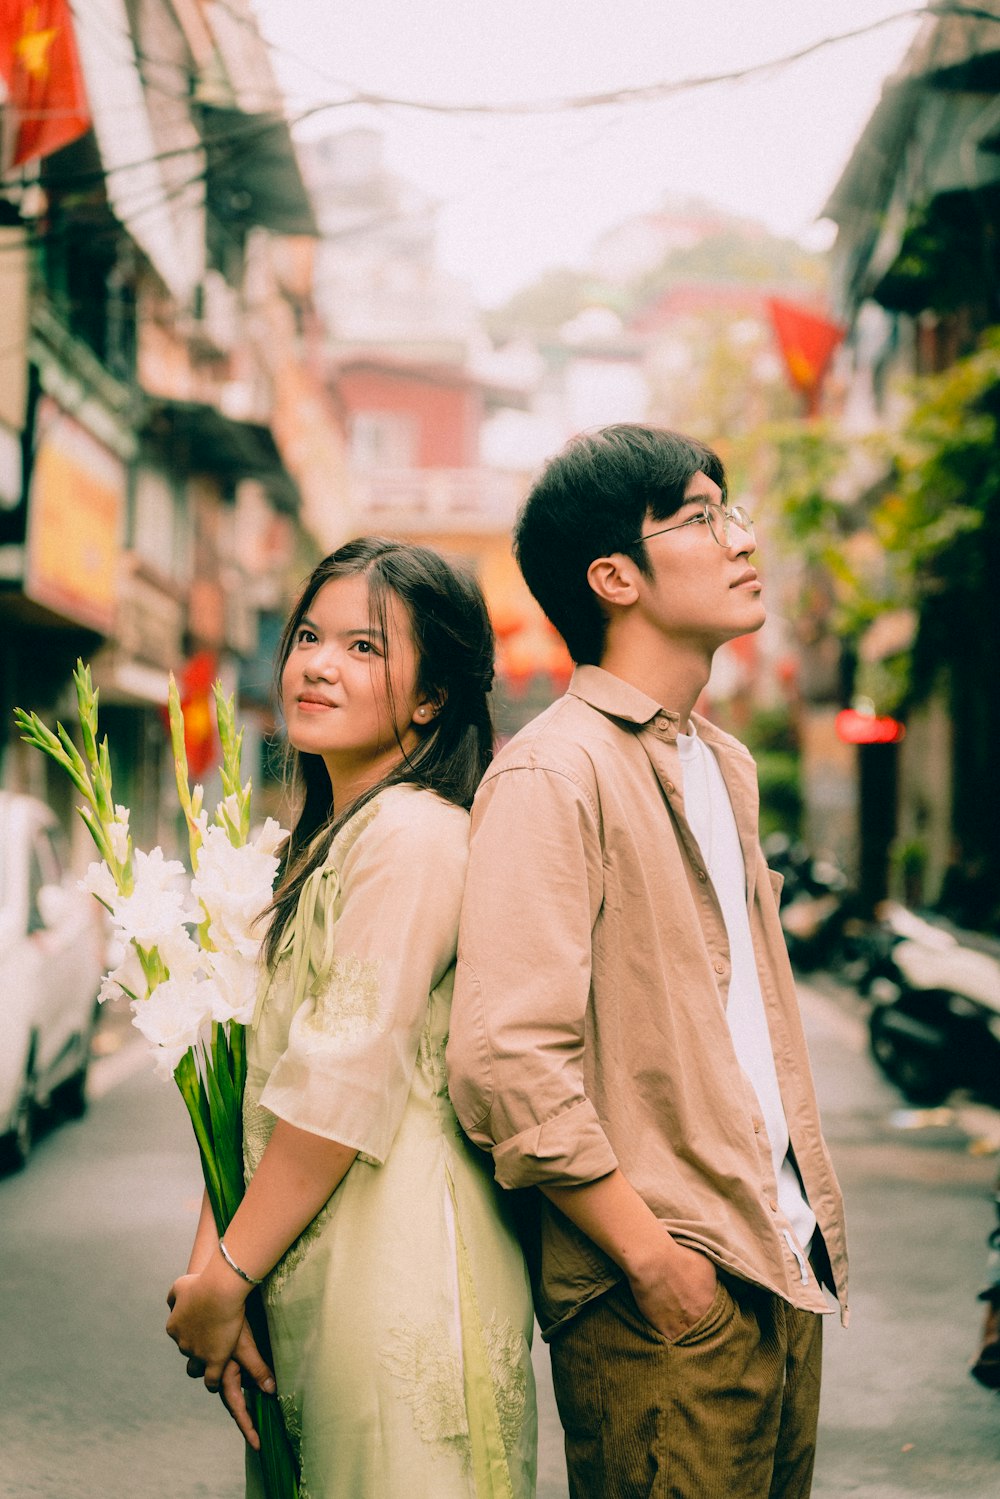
(807,342)
(41,68)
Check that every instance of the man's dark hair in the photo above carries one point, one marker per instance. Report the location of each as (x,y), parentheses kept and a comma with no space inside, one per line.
(591,500)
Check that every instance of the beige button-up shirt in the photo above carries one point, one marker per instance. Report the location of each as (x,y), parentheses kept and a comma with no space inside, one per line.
(588,1026)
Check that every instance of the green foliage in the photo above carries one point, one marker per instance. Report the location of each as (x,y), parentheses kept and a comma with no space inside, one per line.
(940,266)
(771,738)
(780,793)
(918,535)
(942,518)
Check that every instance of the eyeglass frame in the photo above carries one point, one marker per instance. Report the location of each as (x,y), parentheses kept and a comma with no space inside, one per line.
(730,513)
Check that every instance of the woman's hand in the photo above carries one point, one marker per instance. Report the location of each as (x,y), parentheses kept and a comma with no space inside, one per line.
(246,1364)
(205,1322)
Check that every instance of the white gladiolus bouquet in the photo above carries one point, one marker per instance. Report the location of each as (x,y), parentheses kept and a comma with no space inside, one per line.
(189,954)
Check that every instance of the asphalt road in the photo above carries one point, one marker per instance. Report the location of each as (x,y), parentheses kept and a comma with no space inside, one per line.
(94,1402)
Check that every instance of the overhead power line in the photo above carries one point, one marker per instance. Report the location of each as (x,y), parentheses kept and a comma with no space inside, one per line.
(637,94)
(241,138)
(259,124)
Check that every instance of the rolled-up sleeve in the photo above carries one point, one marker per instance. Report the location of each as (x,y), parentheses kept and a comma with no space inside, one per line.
(352,1044)
(522,985)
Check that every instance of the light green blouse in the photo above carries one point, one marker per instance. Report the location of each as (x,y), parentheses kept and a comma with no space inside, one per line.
(401,1318)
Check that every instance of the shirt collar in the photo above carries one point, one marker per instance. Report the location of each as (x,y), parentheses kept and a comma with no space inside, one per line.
(609,694)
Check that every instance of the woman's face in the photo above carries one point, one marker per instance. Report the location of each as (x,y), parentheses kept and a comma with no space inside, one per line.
(335,693)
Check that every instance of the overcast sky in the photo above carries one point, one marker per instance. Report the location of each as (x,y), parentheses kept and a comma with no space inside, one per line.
(520,194)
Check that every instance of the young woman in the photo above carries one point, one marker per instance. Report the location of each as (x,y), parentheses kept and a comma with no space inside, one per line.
(396,1296)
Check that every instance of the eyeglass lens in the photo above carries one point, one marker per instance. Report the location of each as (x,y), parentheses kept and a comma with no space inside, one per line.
(722,518)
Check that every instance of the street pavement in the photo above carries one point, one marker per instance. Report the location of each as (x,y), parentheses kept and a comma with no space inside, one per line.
(94,1402)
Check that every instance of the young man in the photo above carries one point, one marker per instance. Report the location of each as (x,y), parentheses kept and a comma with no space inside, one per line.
(625,1033)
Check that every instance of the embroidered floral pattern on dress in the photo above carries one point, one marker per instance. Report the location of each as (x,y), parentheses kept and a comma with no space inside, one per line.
(506,1353)
(351,832)
(258,1125)
(431,1058)
(428,1370)
(349,1001)
(292,1415)
(295,1254)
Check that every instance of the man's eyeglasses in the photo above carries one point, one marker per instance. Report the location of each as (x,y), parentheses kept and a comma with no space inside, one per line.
(720,520)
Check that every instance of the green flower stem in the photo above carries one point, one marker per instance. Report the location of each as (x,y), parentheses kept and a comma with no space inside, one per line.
(214,1103)
(211,1079)
(232,754)
(35,733)
(181,775)
(154,969)
(86,696)
(187,1080)
(90,772)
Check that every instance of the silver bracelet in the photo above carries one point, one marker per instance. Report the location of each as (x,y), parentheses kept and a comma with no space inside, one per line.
(250,1279)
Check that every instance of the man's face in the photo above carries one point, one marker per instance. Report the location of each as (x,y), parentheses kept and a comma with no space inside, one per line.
(700,592)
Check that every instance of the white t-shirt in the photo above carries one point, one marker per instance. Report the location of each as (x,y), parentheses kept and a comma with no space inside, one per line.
(710,815)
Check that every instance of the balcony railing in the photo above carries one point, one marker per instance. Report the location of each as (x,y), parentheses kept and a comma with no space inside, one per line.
(436,499)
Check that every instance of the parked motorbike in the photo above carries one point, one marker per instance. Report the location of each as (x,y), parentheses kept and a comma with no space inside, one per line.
(816,900)
(935,1019)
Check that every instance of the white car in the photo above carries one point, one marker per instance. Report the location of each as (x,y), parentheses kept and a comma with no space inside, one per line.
(51,958)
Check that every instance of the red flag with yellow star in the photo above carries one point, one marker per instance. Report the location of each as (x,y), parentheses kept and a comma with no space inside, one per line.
(41,68)
(807,342)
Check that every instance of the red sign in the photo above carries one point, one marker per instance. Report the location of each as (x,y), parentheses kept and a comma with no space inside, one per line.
(865,728)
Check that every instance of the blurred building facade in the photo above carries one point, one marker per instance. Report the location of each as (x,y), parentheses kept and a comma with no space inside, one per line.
(420,385)
(917,277)
(171,460)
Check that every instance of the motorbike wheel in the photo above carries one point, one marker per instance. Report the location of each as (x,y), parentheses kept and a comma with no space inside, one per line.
(919,1071)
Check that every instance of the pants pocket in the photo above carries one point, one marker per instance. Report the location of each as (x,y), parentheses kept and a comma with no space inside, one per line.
(719,1313)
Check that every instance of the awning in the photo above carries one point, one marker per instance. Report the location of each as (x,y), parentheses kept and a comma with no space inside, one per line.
(138,178)
(199,439)
(253,174)
(930,143)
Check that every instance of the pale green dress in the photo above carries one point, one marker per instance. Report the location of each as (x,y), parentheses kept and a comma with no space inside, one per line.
(401,1318)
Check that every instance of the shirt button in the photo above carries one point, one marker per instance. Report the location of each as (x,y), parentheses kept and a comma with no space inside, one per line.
(719,967)
(772,1204)
(668,786)
(701,875)
(757,1126)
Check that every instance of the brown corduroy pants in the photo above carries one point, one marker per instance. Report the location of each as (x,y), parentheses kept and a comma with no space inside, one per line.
(726,1411)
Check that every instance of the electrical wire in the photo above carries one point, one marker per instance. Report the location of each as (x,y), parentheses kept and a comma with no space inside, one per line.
(240,140)
(260,124)
(639,94)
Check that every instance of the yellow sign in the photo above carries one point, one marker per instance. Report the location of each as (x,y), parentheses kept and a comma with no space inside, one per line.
(76,510)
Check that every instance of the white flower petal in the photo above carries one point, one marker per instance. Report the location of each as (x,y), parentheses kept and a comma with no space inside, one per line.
(235,981)
(159,903)
(175,1017)
(118,834)
(100,881)
(234,886)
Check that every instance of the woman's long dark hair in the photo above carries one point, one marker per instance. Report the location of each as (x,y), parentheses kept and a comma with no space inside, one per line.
(454,644)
